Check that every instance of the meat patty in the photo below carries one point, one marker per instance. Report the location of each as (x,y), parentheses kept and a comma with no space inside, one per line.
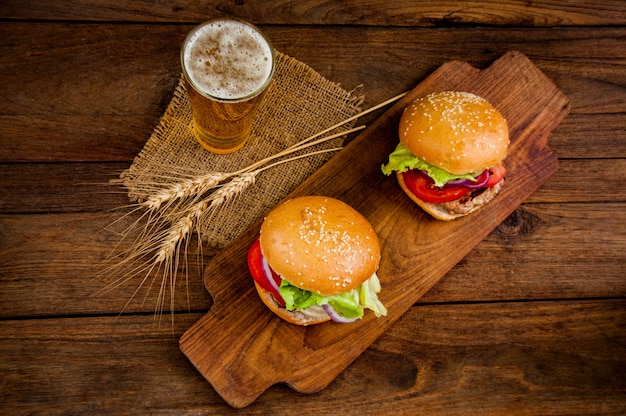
(472,199)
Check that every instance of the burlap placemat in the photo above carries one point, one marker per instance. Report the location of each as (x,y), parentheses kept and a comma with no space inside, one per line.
(299,103)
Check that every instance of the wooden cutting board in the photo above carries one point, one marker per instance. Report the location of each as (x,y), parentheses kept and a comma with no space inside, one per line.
(242,348)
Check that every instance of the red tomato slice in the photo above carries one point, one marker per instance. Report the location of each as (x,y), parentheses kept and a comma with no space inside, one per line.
(425,189)
(496,175)
(256,270)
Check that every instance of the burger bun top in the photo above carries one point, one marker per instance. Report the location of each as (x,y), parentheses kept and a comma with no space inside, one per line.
(320,244)
(455,131)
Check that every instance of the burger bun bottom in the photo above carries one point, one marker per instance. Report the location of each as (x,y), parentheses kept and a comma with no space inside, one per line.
(311,317)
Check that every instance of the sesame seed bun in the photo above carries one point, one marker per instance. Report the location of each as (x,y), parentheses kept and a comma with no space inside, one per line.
(320,244)
(455,131)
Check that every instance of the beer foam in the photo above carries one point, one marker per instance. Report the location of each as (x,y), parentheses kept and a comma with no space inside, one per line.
(228,59)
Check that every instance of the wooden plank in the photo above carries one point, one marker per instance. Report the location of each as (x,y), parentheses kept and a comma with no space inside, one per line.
(75,138)
(80,94)
(70,69)
(391,61)
(65,187)
(63,259)
(562,186)
(86,187)
(387,13)
(540,251)
(591,136)
(557,358)
(120,138)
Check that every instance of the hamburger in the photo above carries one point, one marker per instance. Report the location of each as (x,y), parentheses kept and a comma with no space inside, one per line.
(449,158)
(316,260)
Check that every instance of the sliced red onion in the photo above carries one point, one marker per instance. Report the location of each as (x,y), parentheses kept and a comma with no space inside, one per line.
(270,279)
(335,316)
(480,181)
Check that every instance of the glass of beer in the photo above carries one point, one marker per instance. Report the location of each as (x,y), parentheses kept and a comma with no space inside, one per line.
(227,66)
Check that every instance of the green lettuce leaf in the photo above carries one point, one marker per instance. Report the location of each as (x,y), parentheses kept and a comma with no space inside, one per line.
(402,160)
(346,304)
(296,298)
(369,298)
(350,304)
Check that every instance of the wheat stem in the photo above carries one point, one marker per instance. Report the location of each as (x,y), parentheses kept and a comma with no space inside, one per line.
(334,149)
(354,117)
(297,147)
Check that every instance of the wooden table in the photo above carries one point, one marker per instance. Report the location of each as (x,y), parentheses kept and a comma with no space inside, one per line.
(532,321)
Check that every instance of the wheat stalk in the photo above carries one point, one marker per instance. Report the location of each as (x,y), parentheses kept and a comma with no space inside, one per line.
(197,186)
(352,118)
(169,250)
(174,212)
(189,187)
(181,228)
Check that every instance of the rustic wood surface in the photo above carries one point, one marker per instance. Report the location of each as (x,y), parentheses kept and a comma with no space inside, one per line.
(531,321)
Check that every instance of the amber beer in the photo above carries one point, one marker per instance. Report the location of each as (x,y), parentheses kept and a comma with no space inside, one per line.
(227,67)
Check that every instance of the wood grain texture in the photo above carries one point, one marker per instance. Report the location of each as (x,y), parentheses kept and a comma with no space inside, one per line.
(539,252)
(89,96)
(86,187)
(311,12)
(494,358)
(530,322)
(307,359)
